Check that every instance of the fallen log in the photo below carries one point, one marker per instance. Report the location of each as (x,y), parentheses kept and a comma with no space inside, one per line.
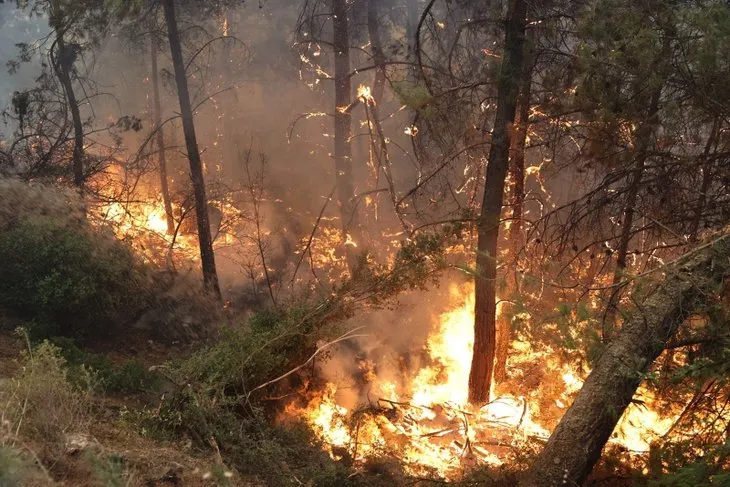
(575,446)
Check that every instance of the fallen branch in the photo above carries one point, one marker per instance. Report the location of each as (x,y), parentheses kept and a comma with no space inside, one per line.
(350,334)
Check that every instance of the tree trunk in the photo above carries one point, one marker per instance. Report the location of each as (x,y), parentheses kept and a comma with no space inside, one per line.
(207,257)
(706,181)
(510,80)
(343,130)
(645,140)
(517,156)
(377,49)
(63,64)
(164,188)
(575,445)
(411,26)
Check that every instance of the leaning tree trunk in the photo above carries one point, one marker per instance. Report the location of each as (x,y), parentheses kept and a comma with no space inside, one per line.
(63,65)
(510,80)
(207,257)
(343,129)
(575,445)
(164,187)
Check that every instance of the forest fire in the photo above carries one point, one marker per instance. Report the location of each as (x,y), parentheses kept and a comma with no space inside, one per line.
(423,419)
(373,243)
(144,223)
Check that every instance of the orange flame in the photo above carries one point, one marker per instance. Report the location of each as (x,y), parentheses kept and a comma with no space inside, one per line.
(430,427)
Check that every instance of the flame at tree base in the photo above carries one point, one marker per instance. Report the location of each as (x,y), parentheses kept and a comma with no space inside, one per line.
(427,424)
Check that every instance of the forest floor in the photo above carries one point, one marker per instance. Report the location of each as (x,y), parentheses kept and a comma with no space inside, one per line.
(144,461)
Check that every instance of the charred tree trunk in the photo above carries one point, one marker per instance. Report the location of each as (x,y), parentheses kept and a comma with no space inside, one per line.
(575,445)
(343,129)
(160,137)
(517,165)
(377,48)
(510,80)
(63,65)
(517,155)
(207,257)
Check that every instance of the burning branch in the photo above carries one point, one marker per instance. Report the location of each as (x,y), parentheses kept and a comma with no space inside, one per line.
(311,236)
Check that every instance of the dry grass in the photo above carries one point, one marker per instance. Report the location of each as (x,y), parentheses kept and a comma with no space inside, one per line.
(41,410)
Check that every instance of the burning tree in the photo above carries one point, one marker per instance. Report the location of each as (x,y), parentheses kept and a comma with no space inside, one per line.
(689,286)
(485,312)
(207,256)
(579,147)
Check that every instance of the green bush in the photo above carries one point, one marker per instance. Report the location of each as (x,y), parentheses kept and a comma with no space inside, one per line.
(128,377)
(42,405)
(59,273)
(15,469)
(65,281)
(211,403)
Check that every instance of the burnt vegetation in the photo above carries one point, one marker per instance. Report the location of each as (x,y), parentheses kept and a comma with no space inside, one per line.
(365,242)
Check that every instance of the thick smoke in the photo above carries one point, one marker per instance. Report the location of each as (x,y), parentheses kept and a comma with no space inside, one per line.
(251,90)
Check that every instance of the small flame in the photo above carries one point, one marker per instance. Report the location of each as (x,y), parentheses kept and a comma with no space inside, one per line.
(225,26)
(350,241)
(363,92)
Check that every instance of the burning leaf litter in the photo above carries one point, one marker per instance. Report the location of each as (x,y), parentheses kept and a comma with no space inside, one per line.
(424,420)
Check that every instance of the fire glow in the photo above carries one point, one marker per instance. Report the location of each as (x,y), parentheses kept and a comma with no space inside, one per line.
(429,427)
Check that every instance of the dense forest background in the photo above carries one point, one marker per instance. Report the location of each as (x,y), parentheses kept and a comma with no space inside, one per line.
(364,242)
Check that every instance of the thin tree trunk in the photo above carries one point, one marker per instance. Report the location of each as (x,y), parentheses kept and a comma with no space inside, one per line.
(510,80)
(706,181)
(411,26)
(645,138)
(343,129)
(63,64)
(377,49)
(517,156)
(207,257)
(575,445)
(164,188)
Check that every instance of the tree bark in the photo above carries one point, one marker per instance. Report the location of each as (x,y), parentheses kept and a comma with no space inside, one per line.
(63,64)
(575,445)
(160,136)
(706,181)
(510,80)
(377,49)
(644,141)
(411,27)
(517,165)
(207,257)
(343,130)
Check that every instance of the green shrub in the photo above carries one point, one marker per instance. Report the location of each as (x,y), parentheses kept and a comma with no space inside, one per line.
(67,281)
(710,469)
(15,468)
(129,377)
(110,470)
(212,405)
(42,405)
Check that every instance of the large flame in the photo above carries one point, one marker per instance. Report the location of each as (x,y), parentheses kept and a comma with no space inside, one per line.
(428,425)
